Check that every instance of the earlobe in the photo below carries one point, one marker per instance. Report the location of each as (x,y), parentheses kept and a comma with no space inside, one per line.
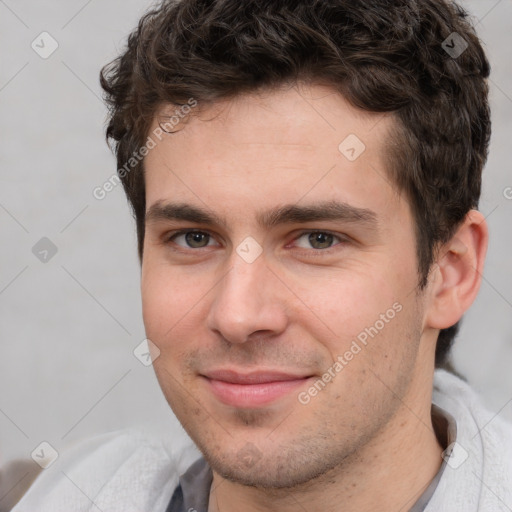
(457,273)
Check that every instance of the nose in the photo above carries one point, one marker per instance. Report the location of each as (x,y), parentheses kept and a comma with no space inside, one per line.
(249,299)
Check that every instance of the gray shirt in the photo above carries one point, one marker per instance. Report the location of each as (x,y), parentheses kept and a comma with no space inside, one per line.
(193,490)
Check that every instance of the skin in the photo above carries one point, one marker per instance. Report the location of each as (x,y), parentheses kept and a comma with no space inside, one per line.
(365,441)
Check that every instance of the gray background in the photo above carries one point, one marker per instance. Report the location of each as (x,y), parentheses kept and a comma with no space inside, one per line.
(69,326)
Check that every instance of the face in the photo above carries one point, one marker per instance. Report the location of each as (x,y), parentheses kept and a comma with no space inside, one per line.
(279,283)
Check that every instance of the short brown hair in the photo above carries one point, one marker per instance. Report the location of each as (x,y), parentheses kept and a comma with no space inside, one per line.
(382,56)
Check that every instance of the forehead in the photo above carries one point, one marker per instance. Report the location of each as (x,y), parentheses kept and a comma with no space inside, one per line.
(301,143)
(289,114)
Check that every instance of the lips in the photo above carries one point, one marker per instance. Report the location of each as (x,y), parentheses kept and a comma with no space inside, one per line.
(255,389)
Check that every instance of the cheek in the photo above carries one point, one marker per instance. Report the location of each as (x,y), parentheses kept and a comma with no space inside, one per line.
(165,300)
(367,311)
(174,306)
(348,300)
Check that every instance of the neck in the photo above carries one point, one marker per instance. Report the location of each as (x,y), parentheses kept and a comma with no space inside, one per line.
(390,473)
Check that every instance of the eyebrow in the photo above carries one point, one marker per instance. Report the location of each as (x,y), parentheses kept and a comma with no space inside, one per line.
(287,214)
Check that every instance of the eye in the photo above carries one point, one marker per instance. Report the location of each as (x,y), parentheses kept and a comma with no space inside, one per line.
(318,239)
(193,239)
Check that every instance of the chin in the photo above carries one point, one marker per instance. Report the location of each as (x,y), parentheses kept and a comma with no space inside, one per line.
(279,468)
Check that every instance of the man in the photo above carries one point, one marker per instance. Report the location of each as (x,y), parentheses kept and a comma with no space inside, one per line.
(304,177)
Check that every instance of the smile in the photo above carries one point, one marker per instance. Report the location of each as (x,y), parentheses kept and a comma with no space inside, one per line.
(255,389)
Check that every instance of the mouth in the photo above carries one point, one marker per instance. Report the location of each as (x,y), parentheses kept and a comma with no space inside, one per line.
(250,390)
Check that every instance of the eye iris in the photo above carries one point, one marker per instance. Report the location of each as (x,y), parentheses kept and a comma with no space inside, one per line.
(324,239)
(194,238)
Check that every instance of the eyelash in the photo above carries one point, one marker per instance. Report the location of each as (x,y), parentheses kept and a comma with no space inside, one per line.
(342,239)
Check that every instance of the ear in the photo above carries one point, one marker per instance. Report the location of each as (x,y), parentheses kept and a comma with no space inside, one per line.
(457,272)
